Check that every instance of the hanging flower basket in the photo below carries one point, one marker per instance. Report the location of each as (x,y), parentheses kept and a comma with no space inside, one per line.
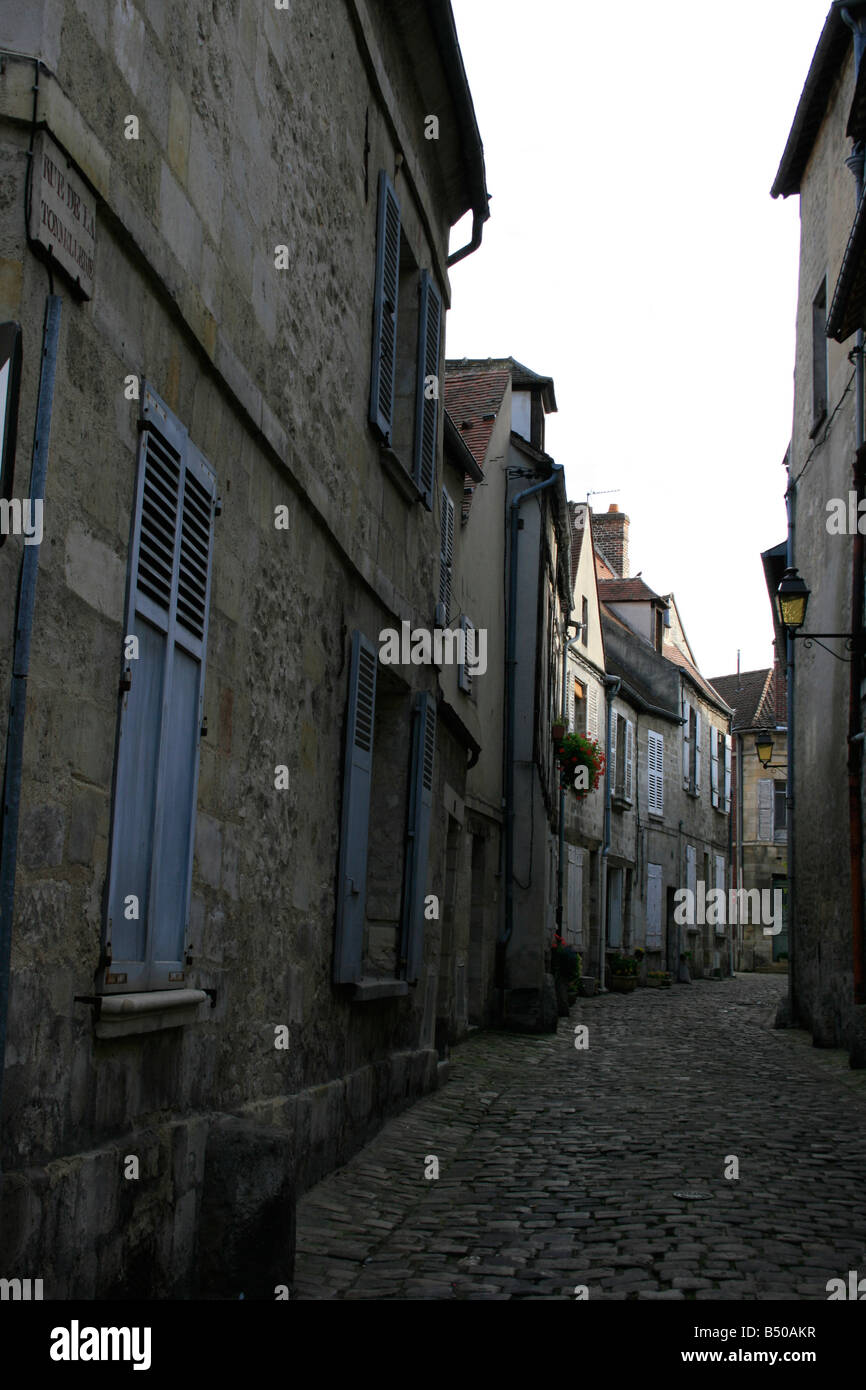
(581,763)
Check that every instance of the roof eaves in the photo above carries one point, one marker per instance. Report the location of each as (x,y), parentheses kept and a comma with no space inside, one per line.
(812,106)
(849,297)
(463,455)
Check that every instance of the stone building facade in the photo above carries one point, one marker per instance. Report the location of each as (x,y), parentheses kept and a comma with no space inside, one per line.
(229,955)
(823,163)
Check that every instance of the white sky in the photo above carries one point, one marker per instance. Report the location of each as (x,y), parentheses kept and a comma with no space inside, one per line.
(635,255)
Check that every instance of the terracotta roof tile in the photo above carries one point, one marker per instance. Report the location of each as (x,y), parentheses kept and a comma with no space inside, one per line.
(626,591)
(473,400)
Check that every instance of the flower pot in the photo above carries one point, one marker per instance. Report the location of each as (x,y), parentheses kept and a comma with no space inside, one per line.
(623,984)
(557,732)
(653,984)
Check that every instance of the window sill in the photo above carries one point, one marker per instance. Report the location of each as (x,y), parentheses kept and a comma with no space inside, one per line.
(119,1015)
(399,474)
(367,990)
(656,815)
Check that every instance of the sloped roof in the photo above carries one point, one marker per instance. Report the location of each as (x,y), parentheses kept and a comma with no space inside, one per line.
(752,697)
(627,591)
(812,107)
(473,400)
(522,377)
(678,658)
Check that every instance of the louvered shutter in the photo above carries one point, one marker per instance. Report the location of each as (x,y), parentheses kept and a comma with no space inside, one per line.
(728,742)
(420,810)
(575,896)
(464,675)
(355,815)
(629,760)
(714,765)
(156,774)
(687,763)
(656,770)
(765,808)
(614,720)
(446,553)
(592,714)
(385,309)
(654,907)
(697,751)
(691,871)
(427,409)
(720,884)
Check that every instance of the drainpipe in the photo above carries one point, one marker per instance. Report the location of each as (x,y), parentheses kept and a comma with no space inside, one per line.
(24,608)
(855,163)
(510,699)
(572,642)
(732,815)
(612,686)
(791,505)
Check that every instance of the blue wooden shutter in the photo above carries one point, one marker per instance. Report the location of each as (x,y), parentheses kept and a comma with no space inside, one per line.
(427,411)
(446,555)
(156,771)
(727,772)
(355,817)
(420,809)
(385,309)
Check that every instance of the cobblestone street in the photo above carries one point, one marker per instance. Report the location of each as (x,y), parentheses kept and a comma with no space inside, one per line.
(605,1167)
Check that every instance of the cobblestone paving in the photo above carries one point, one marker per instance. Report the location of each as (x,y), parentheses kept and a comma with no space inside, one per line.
(561,1167)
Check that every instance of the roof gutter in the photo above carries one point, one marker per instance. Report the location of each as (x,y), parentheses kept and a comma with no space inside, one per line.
(442,19)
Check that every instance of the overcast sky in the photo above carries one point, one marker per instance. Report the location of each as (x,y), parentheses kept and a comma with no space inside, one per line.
(635,255)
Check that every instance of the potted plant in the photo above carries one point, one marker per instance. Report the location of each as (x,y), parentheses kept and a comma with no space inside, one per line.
(557,731)
(581,763)
(623,972)
(659,979)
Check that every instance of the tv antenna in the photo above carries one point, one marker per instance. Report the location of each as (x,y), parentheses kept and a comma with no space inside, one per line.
(602,492)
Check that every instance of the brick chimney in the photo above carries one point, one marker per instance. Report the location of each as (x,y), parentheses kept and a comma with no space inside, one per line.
(611,533)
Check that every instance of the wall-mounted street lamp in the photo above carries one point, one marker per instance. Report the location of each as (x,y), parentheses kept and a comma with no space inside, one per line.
(764,750)
(792,600)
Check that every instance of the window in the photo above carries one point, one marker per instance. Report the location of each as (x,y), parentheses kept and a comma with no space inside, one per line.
(407,339)
(691,879)
(780,810)
(772,810)
(654,907)
(446,557)
(584,619)
(464,674)
(691,748)
(621,757)
(819,356)
(577,713)
(614,908)
(574,918)
(720,769)
(162,692)
(387,782)
(656,772)
(720,885)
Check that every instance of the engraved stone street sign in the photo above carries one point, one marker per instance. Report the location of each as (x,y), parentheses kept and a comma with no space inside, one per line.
(63,213)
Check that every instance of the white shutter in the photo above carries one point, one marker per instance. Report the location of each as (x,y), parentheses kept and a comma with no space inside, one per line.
(727,772)
(654,907)
(714,765)
(687,766)
(575,896)
(697,751)
(765,809)
(692,870)
(629,760)
(720,883)
(464,675)
(569,704)
(613,743)
(656,771)
(592,719)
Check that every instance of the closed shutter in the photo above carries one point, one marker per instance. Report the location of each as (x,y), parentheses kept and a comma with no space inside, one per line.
(697,751)
(385,309)
(355,815)
(427,403)
(691,870)
(156,773)
(629,760)
(592,720)
(728,772)
(420,809)
(575,896)
(464,675)
(714,765)
(446,554)
(613,742)
(687,763)
(656,771)
(654,907)
(720,884)
(765,809)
